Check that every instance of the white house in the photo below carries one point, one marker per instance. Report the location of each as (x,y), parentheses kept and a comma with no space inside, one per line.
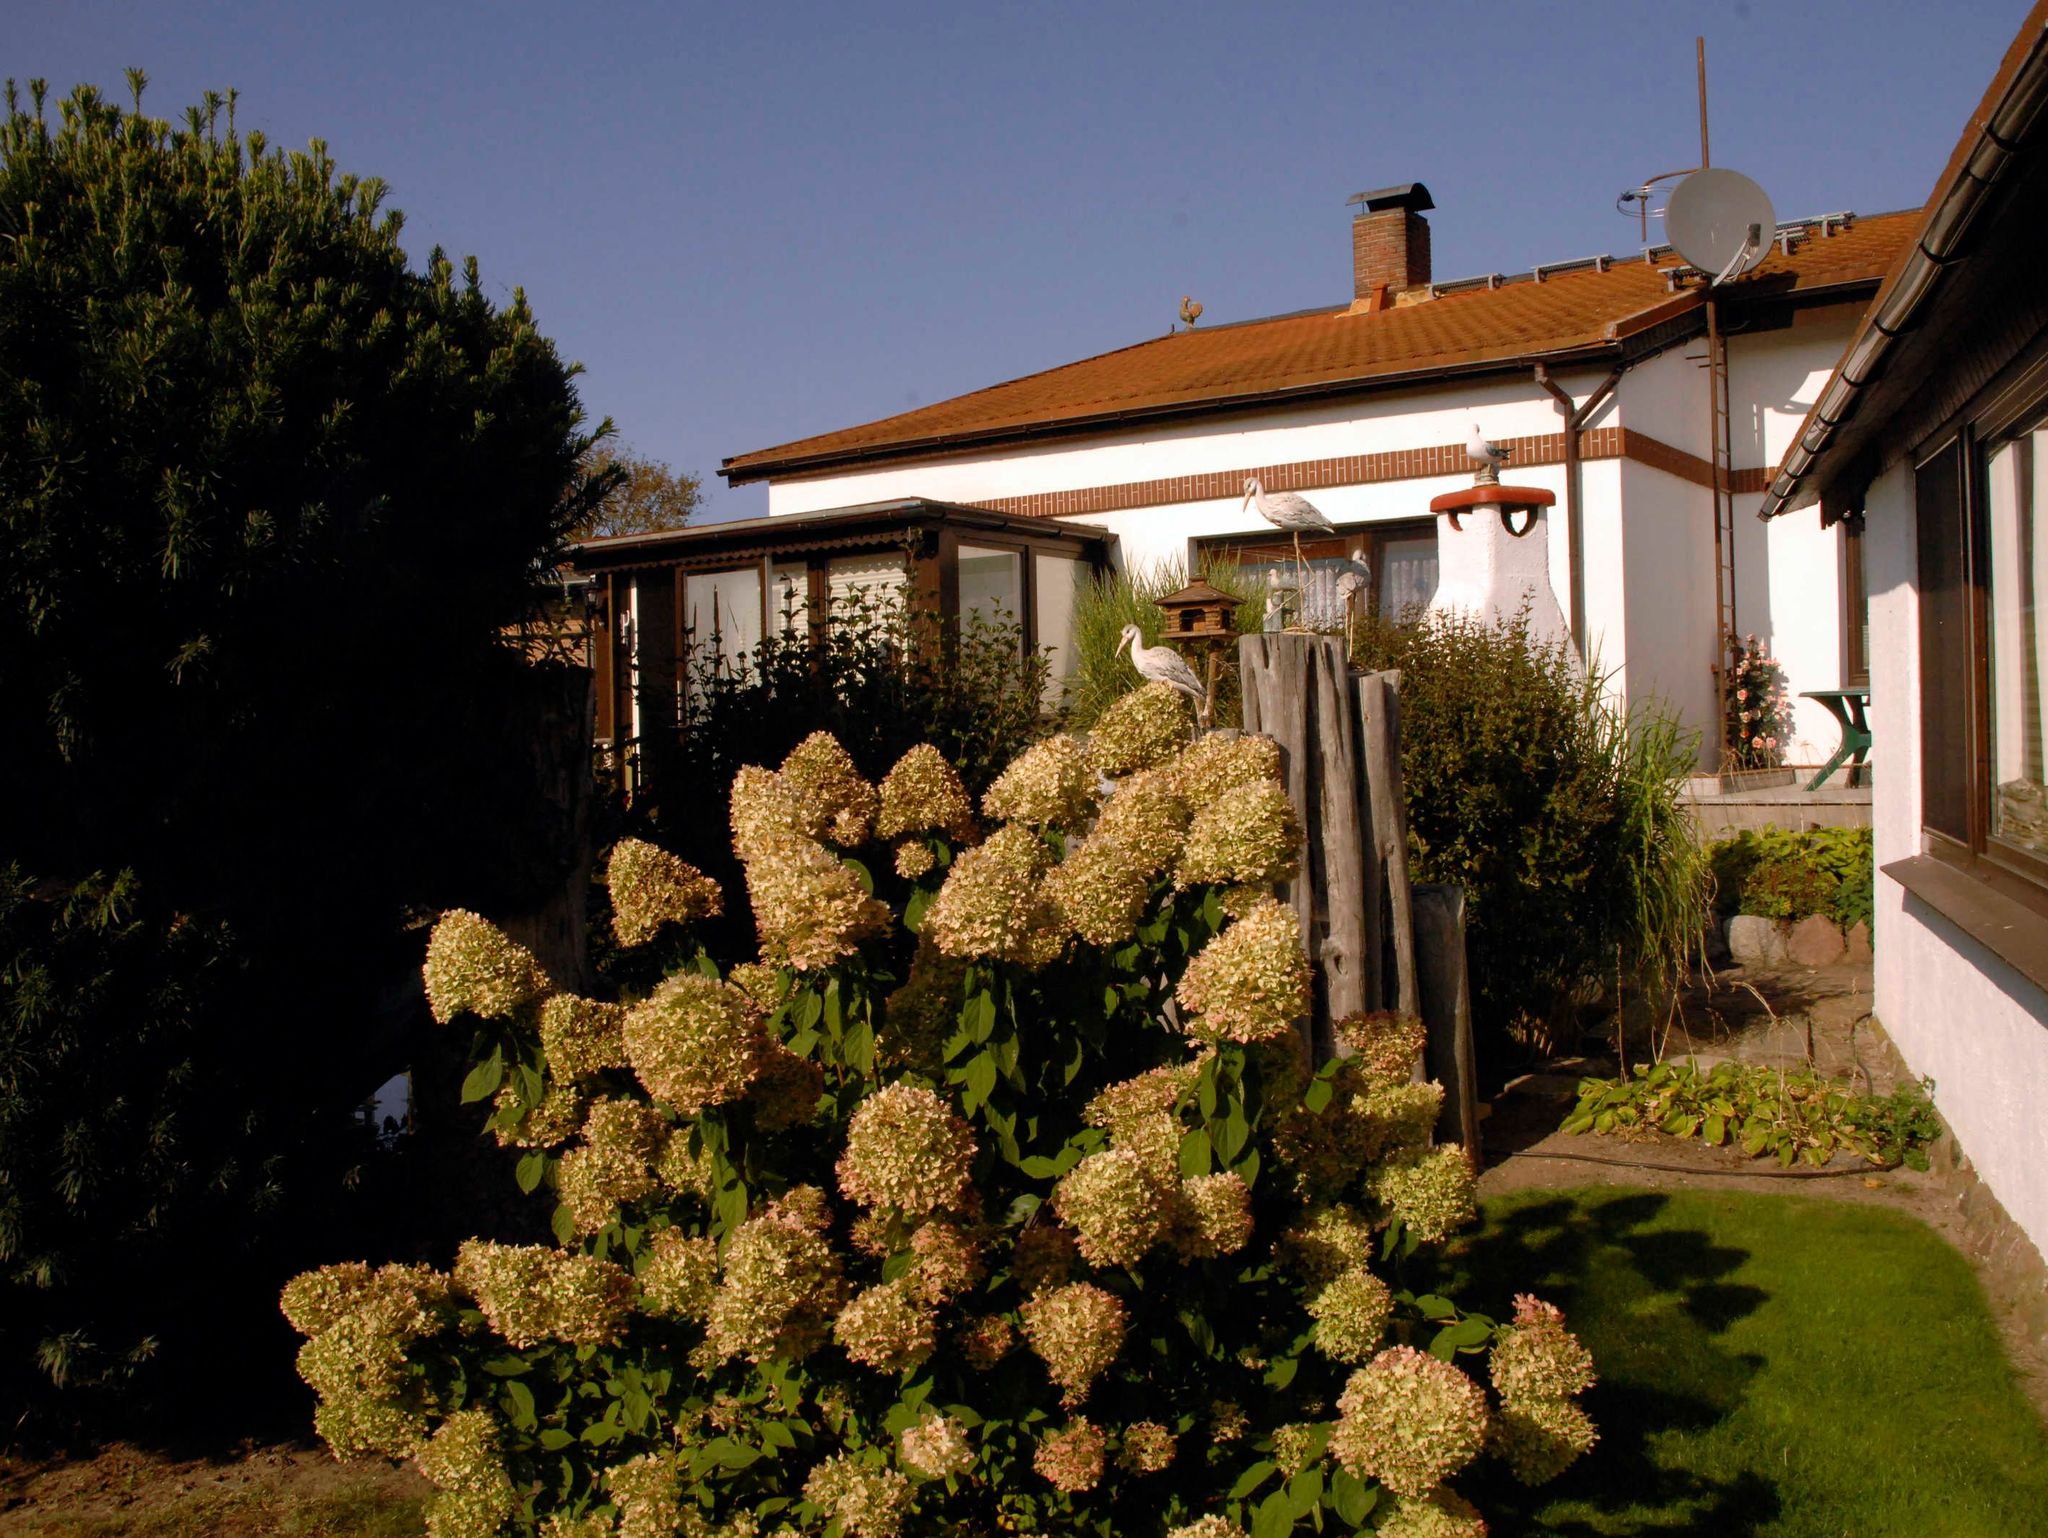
(1933,433)
(1366,407)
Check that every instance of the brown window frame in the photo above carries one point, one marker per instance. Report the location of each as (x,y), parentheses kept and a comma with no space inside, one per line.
(1368,540)
(1855,605)
(1952,552)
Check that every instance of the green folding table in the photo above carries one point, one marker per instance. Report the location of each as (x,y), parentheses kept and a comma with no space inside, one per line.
(1848,707)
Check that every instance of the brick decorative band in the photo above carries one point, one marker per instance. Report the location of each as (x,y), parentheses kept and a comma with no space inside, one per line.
(1370,469)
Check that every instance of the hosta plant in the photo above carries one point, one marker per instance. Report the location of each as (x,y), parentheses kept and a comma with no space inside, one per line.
(996,1193)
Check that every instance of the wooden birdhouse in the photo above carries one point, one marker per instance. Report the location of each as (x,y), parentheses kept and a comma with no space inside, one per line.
(1198,612)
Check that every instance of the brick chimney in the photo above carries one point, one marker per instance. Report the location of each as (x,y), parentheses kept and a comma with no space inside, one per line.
(1389,244)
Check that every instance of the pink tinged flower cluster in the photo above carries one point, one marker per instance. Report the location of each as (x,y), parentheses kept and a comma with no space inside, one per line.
(1247,836)
(651,887)
(1440,1514)
(474,1496)
(1251,982)
(1351,1314)
(1117,1205)
(1146,1448)
(867,1501)
(1409,1421)
(810,908)
(1219,763)
(473,968)
(993,905)
(1385,1045)
(836,803)
(1048,785)
(923,794)
(906,1152)
(530,1293)
(887,1327)
(614,1164)
(1100,892)
(1077,1331)
(937,1447)
(695,1042)
(782,1287)
(1071,1459)
(1146,818)
(1140,730)
(1431,1192)
(1537,1367)
(581,1037)
(677,1275)
(1214,1216)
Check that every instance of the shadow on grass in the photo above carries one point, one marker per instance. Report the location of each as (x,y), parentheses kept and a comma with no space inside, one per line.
(1649,1302)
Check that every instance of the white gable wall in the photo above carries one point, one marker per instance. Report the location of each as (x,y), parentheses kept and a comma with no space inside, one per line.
(1957,1013)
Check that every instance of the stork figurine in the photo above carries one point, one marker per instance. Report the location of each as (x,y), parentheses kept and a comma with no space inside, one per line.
(1291,513)
(1162,664)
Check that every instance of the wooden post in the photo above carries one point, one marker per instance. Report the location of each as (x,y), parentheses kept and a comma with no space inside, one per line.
(1447,1010)
(1297,690)
(1379,707)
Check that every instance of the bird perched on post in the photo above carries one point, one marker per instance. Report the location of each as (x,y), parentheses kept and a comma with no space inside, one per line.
(1161,664)
(1485,453)
(1285,510)
(1190,312)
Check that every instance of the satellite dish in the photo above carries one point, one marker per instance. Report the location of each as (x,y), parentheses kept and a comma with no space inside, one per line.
(1720,221)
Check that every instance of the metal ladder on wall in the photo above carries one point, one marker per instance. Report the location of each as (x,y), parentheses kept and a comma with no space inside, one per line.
(1721,449)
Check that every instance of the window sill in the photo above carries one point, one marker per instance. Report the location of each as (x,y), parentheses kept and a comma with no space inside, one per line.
(2011,930)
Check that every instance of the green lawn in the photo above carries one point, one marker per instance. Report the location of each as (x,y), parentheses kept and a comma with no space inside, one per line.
(1770,1365)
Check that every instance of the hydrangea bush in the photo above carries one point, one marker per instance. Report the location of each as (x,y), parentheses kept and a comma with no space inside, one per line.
(996,1193)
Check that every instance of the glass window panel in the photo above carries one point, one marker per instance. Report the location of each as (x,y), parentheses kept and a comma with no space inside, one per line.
(722,616)
(1056,582)
(2016,578)
(789,598)
(867,587)
(991,584)
(1407,574)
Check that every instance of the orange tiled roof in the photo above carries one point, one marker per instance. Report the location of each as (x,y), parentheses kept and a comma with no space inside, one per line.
(1578,310)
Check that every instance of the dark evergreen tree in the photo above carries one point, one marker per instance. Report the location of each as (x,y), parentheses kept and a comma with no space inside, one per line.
(269,498)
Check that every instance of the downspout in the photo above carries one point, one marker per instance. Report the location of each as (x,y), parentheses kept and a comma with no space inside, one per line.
(1575,419)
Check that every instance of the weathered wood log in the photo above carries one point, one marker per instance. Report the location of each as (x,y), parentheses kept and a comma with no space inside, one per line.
(1348,974)
(1447,1010)
(1379,708)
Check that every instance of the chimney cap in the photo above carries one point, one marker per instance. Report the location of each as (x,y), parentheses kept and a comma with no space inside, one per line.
(1412,196)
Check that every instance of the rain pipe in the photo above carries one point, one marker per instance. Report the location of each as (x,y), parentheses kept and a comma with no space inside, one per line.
(1940,244)
(1575,418)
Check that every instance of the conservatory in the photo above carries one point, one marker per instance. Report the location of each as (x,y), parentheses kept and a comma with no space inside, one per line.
(668,606)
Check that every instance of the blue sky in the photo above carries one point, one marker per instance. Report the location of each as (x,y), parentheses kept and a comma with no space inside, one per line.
(755,222)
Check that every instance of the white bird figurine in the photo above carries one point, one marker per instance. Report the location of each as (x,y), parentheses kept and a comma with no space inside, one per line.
(1162,664)
(1482,451)
(1285,510)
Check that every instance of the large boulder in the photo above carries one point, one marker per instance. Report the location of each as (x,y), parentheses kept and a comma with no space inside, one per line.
(1858,940)
(1755,942)
(1815,942)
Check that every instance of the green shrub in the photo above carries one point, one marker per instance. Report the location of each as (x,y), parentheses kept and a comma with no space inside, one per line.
(997,1193)
(1786,1113)
(1774,873)
(1119,598)
(1558,816)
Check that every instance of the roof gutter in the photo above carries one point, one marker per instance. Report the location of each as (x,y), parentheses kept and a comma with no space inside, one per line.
(1905,298)
(1596,352)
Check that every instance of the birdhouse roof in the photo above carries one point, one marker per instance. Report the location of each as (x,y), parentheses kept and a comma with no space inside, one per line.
(1200,592)
(1595,311)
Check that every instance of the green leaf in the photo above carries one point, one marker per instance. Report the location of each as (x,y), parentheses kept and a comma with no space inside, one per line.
(531,1167)
(1305,1492)
(1274,1517)
(980,1079)
(1352,1498)
(1434,1307)
(1194,1154)
(483,1080)
(508,1366)
(1281,1372)
(519,1405)
(1465,1335)
(914,910)
(1716,1130)
(564,1227)
(554,1439)
(1252,1478)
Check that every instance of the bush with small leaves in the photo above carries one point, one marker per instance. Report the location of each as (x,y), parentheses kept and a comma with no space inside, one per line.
(996,1194)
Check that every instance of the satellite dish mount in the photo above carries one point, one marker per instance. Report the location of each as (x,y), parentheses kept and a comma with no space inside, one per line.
(1721,222)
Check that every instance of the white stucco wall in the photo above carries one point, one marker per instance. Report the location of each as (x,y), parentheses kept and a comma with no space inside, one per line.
(1648,535)
(1957,1013)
